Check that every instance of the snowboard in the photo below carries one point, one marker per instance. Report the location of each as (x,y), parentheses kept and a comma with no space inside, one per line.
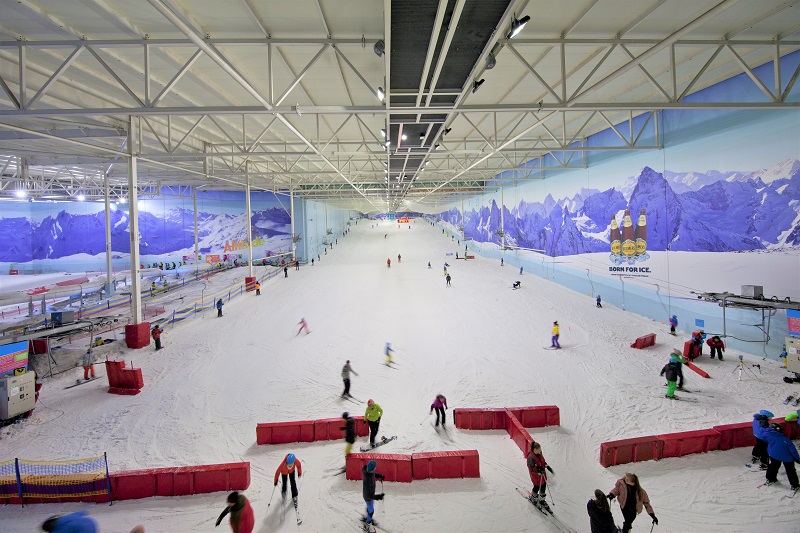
(381,442)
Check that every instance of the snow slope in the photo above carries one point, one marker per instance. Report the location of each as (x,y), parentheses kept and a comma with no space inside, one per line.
(479,343)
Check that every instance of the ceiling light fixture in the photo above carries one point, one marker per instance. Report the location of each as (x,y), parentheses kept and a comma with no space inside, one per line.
(379,48)
(517,25)
(381,94)
(427,162)
(477,85)
(80,197)
(491,61)
(387,143)
(447,130)
(383,133)
(404,137)
(21,193)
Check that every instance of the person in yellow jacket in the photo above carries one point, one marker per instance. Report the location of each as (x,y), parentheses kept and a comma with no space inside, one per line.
(372,416)
(554,340)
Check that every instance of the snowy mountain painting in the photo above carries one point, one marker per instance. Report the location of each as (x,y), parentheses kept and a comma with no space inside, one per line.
(692,211)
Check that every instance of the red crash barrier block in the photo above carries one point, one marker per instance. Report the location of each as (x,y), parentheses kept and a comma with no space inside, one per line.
(790,429)
(686,442)
(445,465)
(698,369)
(620,452)
(284,432)
(394,466)
(137,335)
(537,416)
(687,349)
(644,341)
(480,418)
(519,435)
(250,284)
(180,481)
(328,429)
(735,435)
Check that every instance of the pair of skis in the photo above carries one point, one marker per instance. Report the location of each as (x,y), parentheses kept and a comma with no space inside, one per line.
(547,512)
(790,494)
(81,382)
(789,398)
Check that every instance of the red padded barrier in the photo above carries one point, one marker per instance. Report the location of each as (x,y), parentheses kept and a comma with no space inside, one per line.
(697,369)
(137,335)
(519,435)
(446,465)
(735,435)
(285,432)
(687,349)
(394,466)
(180,481)
(790,429)
(480,418)
(620,452)
(328,429)
(133,485)
(644,341)
(537,416)
(686,442)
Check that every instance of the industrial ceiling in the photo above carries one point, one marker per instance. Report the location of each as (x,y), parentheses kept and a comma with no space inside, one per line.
(286,94)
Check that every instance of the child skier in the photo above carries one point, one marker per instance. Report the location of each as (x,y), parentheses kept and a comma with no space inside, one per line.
(440,404)
(286,469)
(760,454)
(372,416)
(717,346)
(388,263)
(671,370)
(554,341)
(448,278)
(781,450)
(87,360)
(349,429)
(242,519)
(219,307)
(673,323)
(346,369)
(388,352)
(368,491)
(303,326)
(398,258)
(632,497)
(517,284)
(258,288)
(536,468)
(598,300)
(429,264)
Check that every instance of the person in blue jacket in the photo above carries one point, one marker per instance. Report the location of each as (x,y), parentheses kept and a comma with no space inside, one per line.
(219,308)
(781,450)
(72,523)
(760,421)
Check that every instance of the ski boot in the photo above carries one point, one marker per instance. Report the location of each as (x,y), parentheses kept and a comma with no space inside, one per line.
(543,505)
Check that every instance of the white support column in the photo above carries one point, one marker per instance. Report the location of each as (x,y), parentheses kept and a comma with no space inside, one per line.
(502,221)
(291,215)
(249,220)
(133,224)
(109,266)
(326,223)
(196,247)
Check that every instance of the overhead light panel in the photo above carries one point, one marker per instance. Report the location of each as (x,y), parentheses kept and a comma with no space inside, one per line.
(381,94)
(21,193)
(388,142)
(383,133)
(422,135)
(491,61)
(404,137)
(477,85)
(517,25)
(379,48)
(447,130)
(80,197)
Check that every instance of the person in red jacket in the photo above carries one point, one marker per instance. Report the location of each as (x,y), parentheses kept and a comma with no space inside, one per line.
(156,334)
(242,518)
(389,263)
(538,468)
(286,469)
(717,345)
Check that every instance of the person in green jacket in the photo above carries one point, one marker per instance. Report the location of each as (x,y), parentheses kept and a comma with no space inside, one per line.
(372,416)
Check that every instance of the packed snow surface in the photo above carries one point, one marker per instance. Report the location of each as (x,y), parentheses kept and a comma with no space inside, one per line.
(479,343)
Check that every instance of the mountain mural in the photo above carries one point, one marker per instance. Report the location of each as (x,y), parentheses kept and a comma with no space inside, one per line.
(65,234)
(687,211)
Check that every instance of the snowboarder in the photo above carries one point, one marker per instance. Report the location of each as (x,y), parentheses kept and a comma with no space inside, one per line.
(286,469)
(388,351)
(87,360)
(78,522)
(717,346)
(346,369)
(368,491)
(536,468)
(760,454)
(242,518)
(388,263)
(258,289)
(303,326)
(286,272)
(156,334)
(349,429)
(673,323)
(781,450)
(440,404)
(398,258)
(554,341)
(219,307)
(599,301)
(671,370)
(448,279)
(517,284)
(632,497)
(600,518)
(372,416)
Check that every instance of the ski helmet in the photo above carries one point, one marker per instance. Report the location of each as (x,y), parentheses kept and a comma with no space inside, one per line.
(371,466)
(370,402)
(766,413)
(791,417)
(345,415)
(290,459)
(776,427)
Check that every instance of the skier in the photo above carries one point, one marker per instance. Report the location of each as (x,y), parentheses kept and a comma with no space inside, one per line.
(760,454)
(445,267)
(312,261)
(87,360)
(448,279)
(599,301)
(536,468)
(258,289)
(350,432)
(632,497)
(429,264)
(388,263)
(346,369)
(156,334)
(517,284)
(781,450)
(303,326)
(242,519)
(368,491)
(297,264)
(456,255)
(286,469)
(717,346)
(671,370)
(372,416)
(388,351)
(554,341)
(384,235)
(600,518)
(286,272)
(440,404)
(398,258)
(520,271)
(78,522)
(98,341)
(673,323)
(219,307)
(501,262)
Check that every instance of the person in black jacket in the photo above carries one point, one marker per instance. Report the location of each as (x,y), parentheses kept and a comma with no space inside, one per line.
(672,370)
(350,432)
(600,518)
(368,491)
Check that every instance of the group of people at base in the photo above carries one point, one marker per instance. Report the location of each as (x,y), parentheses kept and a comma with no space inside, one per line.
(773,448)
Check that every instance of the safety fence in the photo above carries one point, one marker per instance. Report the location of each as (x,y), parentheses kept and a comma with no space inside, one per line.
(43,480)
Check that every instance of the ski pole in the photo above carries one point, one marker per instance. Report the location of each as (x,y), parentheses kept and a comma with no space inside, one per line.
(271,495)
(426,417)
(652,526)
